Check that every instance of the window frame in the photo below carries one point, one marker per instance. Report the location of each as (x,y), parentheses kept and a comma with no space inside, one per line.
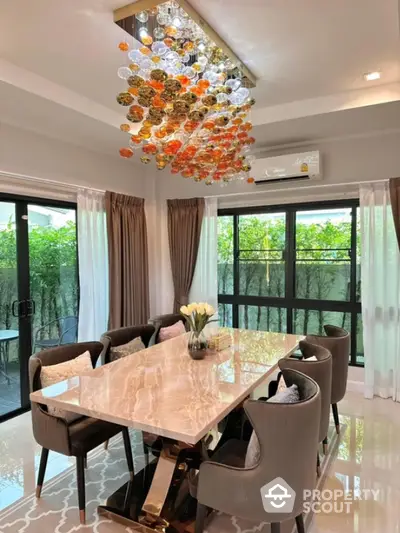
(290,301)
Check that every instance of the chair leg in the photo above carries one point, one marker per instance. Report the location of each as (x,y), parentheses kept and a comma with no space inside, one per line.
(325,445)
(200,517)
(128,451)
(318,466)
(275,527)
(300,524)
(42,471)
(80,476)
(336,417)
(106,444)
(85,462)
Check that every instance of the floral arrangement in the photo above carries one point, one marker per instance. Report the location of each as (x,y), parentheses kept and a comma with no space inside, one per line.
(198,315)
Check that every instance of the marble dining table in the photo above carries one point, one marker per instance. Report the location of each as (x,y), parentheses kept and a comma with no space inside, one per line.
(163,392)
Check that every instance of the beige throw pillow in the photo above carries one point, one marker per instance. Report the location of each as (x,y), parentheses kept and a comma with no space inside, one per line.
(52,374)
(133,346)
(170,332)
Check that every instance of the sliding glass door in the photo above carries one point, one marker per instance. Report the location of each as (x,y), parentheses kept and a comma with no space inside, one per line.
(38,289)
(291,269)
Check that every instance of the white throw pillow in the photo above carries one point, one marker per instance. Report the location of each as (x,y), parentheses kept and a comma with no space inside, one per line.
(171,332)
(133,346)
(289,395)
(49,375)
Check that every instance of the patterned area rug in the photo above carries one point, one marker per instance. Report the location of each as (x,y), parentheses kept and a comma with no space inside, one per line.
(57,510)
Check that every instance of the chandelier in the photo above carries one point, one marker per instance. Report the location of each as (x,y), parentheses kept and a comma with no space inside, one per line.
(187,96)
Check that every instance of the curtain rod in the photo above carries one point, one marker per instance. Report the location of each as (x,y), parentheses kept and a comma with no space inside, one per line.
(326,185)
(71,186)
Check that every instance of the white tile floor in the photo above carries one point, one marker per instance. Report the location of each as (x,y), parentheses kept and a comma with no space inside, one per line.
(368,458)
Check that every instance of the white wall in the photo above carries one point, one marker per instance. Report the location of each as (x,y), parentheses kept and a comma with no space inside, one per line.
(26,153)
(343,161)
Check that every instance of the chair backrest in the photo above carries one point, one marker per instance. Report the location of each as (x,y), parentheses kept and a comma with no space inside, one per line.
(59,354)
(288,438)
(164,321)
(320,371)
(116,337)
(68,329)
(337,341)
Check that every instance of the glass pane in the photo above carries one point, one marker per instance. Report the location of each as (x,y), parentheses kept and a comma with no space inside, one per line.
(53,275)
(360,341)
(312,322)
(261,254)
(323,245)
(10,396)
(225,315)
(257,317)
(225,255)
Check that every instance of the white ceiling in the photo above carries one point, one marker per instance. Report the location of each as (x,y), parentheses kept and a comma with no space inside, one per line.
(303,52)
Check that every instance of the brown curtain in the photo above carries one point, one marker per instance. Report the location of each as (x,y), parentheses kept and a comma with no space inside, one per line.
(128,260)
(394,187)
(184,228)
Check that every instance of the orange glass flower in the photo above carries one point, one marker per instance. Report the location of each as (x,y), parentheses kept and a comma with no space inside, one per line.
(126,152)
(168,42)
(171,31)
(250,180)
(150,149)
(125,127)
(203,84)
(136,139)
(172,147)
(123,46)
(145,51)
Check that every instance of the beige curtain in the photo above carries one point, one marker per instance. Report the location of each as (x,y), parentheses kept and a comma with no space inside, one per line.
(394,188)
(184,228)
(128,260)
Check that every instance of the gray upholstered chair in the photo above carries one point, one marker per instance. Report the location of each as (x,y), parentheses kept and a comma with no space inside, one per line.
(288,438)
(321,372)
(116,337)
(164,321)
(75,438)
(337,341)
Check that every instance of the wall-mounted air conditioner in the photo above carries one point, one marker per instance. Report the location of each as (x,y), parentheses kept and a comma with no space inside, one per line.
(304,166)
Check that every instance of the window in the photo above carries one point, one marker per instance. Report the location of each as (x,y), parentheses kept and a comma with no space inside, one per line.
(291,270)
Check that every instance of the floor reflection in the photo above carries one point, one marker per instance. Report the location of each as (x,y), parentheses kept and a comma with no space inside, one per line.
(367,460)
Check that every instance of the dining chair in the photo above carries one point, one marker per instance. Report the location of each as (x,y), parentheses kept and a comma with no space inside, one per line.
(67,327)
(287,451)
(164,321)
(121,336)
(75,438)
(337,341)
(118,337)
(320,370)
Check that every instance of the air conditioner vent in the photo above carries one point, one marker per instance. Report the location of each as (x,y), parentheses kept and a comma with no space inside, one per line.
(292,167)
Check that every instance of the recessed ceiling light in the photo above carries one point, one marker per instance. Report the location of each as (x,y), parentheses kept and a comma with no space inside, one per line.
(371,76)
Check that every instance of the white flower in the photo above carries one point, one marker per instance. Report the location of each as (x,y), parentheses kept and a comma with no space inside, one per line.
(184,310)
(191,308)
(209,309)
(201,308)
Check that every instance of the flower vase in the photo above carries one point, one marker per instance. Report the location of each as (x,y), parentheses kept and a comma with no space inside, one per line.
(197,344)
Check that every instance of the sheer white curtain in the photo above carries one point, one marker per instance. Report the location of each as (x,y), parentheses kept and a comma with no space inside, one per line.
(205,280)
(380,285)
(93,265)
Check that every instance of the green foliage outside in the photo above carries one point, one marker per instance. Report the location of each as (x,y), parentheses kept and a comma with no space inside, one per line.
(53,277)
(322,270)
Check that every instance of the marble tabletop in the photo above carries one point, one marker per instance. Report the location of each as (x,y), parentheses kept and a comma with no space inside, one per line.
(163,391)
